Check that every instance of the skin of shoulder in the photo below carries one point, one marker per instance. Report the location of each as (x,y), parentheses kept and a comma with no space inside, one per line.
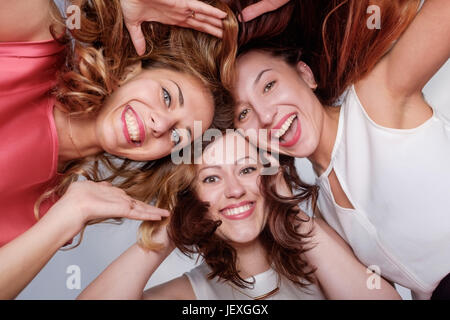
(176,289)
(24,20)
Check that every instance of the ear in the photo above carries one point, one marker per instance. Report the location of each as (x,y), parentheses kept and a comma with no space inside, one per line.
(307,75)
(130,72)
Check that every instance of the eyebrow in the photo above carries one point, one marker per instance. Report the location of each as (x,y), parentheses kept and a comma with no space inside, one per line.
(244,158)
(180,94)
(209,167)
(219,167)
(259,76)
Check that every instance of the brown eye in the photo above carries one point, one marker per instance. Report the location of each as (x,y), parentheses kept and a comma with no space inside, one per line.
(247,170)
(243,114)
(210,179)
(269,86)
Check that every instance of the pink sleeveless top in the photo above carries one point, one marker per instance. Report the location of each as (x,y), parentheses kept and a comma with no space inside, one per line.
(29,143)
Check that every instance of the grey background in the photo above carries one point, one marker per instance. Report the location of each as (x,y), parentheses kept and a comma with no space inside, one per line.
(103,243)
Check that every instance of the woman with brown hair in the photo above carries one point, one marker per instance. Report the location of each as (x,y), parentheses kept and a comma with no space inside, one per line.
(88,105)
(255,241)
(381,154)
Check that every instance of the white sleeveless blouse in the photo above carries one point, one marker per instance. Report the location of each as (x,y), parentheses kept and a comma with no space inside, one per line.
(398,181)
(265,282)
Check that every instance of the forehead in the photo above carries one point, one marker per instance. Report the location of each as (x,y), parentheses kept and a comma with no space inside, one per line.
(229,150)
(258,59)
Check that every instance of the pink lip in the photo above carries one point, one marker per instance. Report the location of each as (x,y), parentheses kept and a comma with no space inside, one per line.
(140,125)
(241,215)
(297,134)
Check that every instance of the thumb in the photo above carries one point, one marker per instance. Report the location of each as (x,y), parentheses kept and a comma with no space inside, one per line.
(137,37)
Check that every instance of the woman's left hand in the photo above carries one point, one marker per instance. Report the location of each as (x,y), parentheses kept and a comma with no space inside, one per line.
(184,13)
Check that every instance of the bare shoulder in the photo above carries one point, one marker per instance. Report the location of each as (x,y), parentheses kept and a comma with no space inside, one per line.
(24,20)
(177,289)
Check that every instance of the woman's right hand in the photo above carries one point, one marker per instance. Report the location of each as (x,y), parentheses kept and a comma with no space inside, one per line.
(85,201)
(184,13)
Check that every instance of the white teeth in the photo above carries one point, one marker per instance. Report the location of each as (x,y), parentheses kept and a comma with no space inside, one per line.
(238,210)
(285,127)
(132,126)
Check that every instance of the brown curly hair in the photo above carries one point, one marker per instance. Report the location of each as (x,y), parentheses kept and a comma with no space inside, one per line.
(193,232)
(99,55)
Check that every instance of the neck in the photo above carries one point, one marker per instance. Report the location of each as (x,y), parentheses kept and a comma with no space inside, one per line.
(76,136)
(251,259)
(321,157)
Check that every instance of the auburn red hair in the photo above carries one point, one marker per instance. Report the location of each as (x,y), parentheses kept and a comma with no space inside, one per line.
(332,35)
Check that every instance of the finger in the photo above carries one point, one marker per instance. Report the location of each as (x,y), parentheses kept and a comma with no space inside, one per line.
(137,37)
(142,214)
(255,10)
(146,208)
(208,19)
(206,9)
(204,27)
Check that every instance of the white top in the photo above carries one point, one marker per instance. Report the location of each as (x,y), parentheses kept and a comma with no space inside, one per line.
(398,181)
(265,282)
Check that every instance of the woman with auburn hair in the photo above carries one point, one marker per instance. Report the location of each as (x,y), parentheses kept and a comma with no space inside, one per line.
(88,105)
(255,241)
(381,154)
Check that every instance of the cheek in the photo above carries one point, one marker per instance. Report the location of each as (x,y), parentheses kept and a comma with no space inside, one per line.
(211,195)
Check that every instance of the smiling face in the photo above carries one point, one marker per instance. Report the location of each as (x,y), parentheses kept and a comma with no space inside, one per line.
(231,188)
(275,96)
(153,112)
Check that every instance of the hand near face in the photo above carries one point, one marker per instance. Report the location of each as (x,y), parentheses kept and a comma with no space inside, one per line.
(184,13)
(255,10)
(86,201)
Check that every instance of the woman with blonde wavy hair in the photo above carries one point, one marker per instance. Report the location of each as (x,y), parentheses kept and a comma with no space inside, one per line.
(89,104)
(254,240)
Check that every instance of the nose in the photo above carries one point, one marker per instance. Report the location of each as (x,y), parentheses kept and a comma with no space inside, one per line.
(234,188)
(266,114)
(161,123)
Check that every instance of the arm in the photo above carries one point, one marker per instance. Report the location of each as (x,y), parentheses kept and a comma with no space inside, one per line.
(421,50)
(22,258)
(128,275)
(24,20)
(340,274)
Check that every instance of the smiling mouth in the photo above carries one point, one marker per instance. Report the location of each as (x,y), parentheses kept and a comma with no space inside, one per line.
(285,127)
(133,127)
(240,211)
(287,131)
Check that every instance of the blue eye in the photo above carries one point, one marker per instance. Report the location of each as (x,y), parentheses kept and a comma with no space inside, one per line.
(269,86)
(166,97)
(175,137)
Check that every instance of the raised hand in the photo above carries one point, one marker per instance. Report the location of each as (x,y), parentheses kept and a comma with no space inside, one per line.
(184,13)
(261,7)
(86,201)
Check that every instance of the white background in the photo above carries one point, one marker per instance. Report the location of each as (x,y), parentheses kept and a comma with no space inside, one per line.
(103,243)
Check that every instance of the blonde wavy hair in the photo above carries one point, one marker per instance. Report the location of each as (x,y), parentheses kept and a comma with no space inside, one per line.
(98,57)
